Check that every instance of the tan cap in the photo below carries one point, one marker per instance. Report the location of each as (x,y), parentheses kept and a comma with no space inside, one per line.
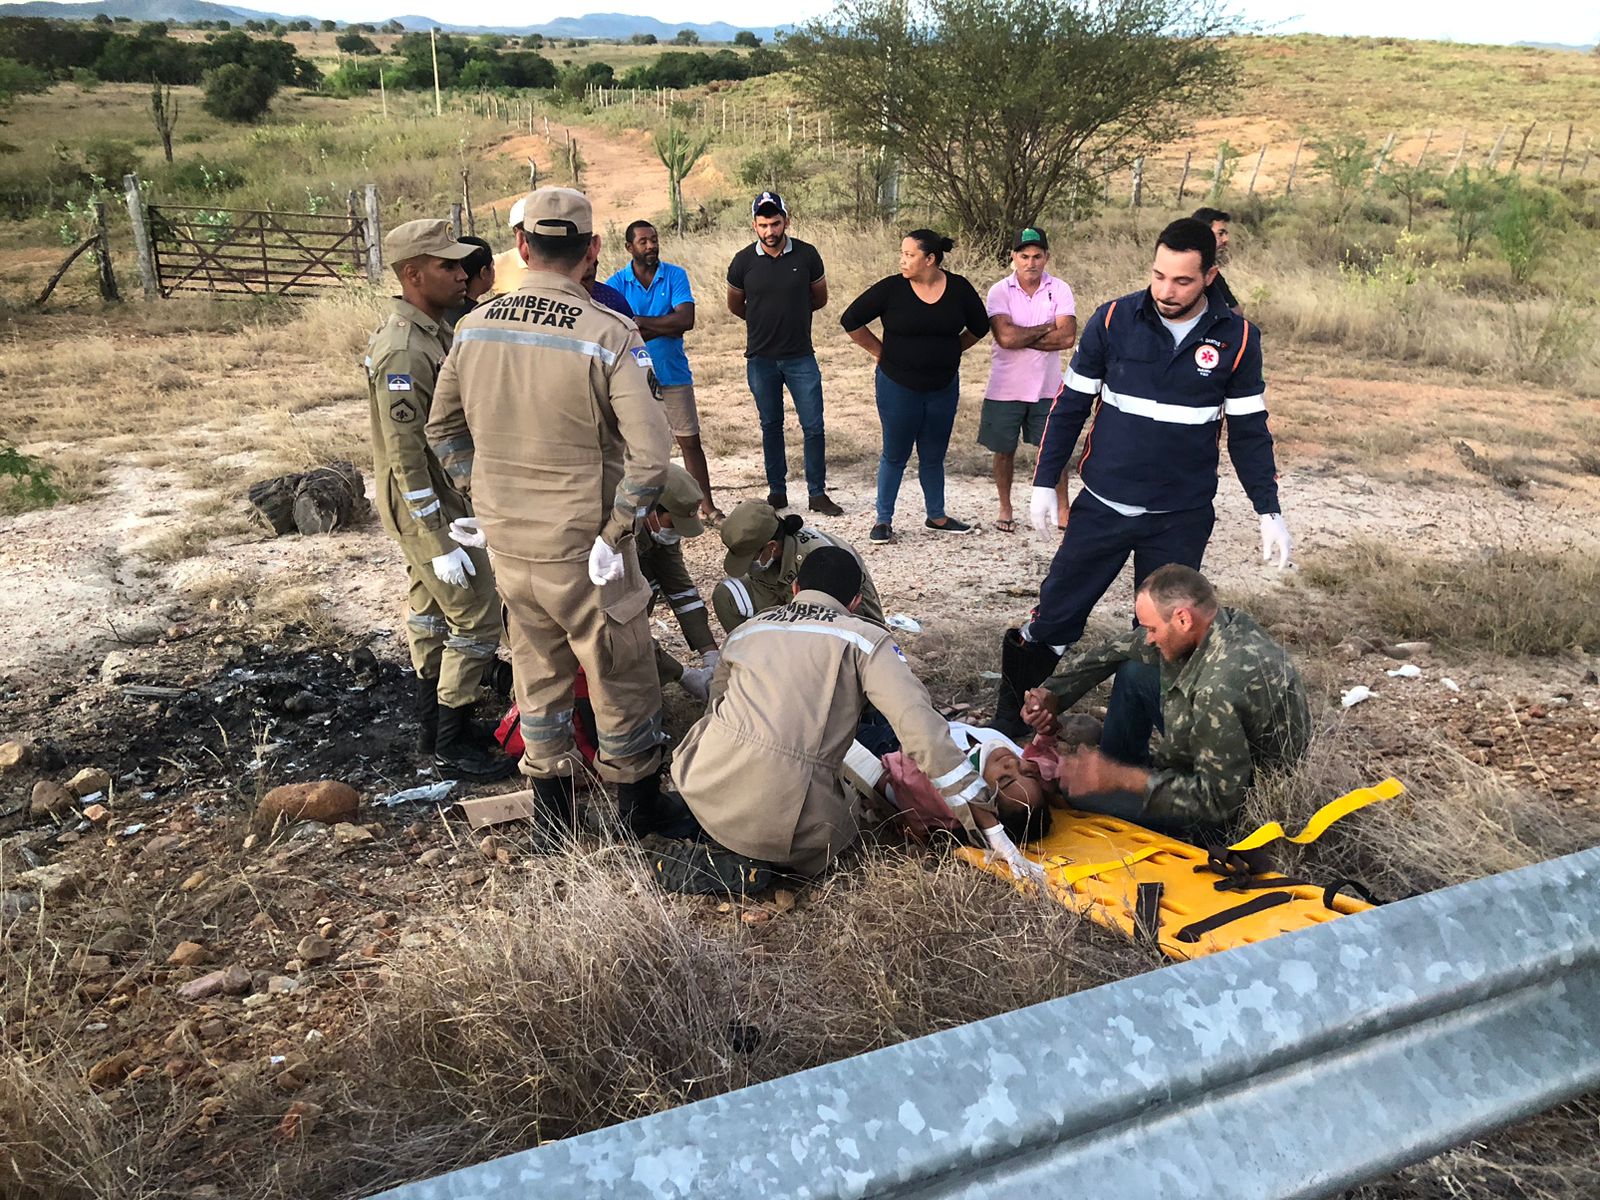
(416,238)
(557,212)
(750,526)
(681,497)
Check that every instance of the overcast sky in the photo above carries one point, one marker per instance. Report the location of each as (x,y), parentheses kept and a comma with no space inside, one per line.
(1574,22)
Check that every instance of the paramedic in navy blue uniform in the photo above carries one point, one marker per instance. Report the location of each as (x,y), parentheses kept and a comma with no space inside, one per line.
(1156,374)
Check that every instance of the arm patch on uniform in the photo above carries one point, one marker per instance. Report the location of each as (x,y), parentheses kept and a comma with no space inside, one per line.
(642,357)
(398,383)
(401,412)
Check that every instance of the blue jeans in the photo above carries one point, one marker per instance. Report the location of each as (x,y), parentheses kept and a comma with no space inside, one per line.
(914,419)
(1133,714)
(766,377)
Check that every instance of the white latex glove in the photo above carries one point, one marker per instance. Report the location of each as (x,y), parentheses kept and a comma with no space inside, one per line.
(605,564)
(1275,536)
(453,568)
(1042,509)
(465,531)
(1001,846)
(697,682)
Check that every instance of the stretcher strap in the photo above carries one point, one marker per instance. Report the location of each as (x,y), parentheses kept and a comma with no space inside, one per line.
(1147,913)
(1063,875)
(1323,817)
(1198,930)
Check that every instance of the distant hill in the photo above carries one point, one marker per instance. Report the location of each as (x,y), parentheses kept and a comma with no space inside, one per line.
(614,26)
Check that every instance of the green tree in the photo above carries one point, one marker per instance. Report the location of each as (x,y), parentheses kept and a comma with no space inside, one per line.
(1344,160)
(239,93)
(351,42)
(1523,223)
(642,39)
(745,38)
(996,107)
(19,80)
(327,26)
(678,153)
(686,37)
(1469,196)
(1409,185)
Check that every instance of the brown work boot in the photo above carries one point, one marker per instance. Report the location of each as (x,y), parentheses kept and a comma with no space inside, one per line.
(820,502)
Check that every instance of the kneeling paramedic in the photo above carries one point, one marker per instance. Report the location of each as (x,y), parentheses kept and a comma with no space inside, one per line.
(763,770)
(549,403)
(765,552)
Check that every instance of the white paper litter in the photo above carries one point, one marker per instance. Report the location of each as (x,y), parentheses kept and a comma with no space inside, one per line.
(1450,684)
(903,623)
(1356,695)
(1405,671)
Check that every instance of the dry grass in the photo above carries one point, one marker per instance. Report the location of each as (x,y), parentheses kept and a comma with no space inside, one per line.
(1506,600)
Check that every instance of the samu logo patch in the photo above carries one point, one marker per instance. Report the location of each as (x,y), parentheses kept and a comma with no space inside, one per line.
(1206,358)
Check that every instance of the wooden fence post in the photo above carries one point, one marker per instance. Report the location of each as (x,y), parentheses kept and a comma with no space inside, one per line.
(1523,144)
(374,237)
(1456,161)
(455,221)
(102,254)
(1383,155)
(1544,159)
(354,214)
(1138,183)
(1288,186)
(1184,178)
(466,201)
(1216,172)
(141,238)
(1565,146)
(1428,141)
(1257,171)
(1494,151)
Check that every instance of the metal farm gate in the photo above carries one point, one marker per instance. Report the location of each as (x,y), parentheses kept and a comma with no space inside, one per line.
(253,252)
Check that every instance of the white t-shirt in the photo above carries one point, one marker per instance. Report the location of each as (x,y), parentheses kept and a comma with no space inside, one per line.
(1180,329)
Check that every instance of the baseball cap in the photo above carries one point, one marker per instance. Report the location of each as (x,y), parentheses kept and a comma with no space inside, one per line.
(1031,236)
(750,526)
(516,211)
(681,497)
(768,200)
(557,212)
(416,238)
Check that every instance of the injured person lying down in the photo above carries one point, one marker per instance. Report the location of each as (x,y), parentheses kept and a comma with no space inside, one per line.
(763,770)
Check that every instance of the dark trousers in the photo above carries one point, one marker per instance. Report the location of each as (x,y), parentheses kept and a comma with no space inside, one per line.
(920,421)
(767,377)
(1094,548)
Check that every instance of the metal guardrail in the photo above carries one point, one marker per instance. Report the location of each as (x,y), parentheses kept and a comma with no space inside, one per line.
(1295,1067)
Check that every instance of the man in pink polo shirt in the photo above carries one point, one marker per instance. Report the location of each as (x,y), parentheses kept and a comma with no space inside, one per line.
(1032,316)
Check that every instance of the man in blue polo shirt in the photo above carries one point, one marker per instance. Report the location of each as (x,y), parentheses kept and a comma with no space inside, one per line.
(663,309)
(1159,371)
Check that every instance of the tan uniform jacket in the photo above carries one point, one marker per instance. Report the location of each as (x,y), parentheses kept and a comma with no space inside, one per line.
(761,770)
(416,500)
(756,590)
(548,404)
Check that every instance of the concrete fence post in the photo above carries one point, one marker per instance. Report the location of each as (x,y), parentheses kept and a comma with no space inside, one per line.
(141,238)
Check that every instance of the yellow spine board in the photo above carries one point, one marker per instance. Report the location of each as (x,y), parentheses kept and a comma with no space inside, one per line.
(1096,863)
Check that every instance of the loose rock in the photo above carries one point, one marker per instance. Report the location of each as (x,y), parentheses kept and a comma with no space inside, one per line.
(49,799)
(14,754)
(89,781)
(314,949)
(109,1072)
(326,801)
(430,858)
(229,981)
(187,954)
(115,941)
(98,813)
(53,879)
(351,834)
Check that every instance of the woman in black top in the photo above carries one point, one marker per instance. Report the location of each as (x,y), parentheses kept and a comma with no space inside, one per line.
(930,317)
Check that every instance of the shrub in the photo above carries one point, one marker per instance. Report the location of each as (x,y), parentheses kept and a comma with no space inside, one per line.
(24,482)
(352,42)
(108,160)
(236,93)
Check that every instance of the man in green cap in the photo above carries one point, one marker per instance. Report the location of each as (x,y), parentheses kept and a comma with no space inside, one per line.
(453,615)
(764,556)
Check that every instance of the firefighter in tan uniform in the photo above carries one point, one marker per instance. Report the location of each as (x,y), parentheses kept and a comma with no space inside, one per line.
(762,771)
(764,556)
(549,404)
(453,614)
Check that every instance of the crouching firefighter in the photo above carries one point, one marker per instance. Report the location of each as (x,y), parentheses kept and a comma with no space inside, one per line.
(548,401)
(453,614)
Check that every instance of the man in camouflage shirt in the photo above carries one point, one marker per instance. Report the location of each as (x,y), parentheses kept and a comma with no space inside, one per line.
(1224,696)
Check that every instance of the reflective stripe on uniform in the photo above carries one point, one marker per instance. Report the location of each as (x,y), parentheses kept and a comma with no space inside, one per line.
(1243,406)
(549,341)
(555,727)
(633,741)
(1155,410)
(455,445)
(419,494)
(470,647)
(950,777)
(426,623)
(419,513)
(1081,383)
(688,608)
(969,793)
(844,635)
(741,597)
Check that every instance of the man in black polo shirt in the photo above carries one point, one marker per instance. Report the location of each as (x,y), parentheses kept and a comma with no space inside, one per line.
(774,285)
(1218,220)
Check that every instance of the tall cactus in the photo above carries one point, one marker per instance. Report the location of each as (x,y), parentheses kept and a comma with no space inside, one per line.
(678,153)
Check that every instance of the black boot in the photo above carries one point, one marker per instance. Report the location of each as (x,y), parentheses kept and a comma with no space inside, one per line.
(425,707)
(1023,665)
(553,811)
(457,750)
(645,809)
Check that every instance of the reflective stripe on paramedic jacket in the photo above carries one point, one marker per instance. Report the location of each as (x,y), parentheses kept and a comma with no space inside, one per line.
(1158,410)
